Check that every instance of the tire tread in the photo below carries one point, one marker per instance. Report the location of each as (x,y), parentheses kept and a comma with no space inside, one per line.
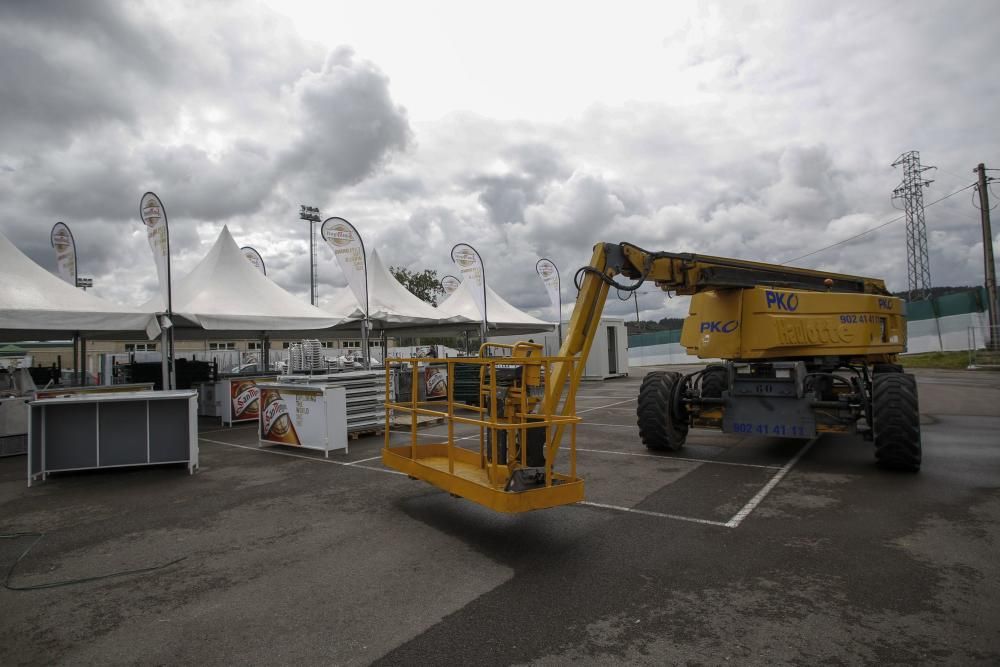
(896,417)
(656,425)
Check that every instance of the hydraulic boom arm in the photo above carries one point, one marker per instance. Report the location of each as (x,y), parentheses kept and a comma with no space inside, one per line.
(683,273)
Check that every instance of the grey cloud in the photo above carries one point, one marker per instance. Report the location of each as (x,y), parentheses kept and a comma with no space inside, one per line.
(98,108)
(349,124)
(783,149)
(506,196)
(393,186)
(71,66)
(577,213)
(212,189)
(540,160)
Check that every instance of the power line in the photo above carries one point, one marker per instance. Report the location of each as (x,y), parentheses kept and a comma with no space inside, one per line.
(957,177)
(850,238)
(873,229)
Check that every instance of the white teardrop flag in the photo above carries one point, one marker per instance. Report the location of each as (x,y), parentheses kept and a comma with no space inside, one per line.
(349,250)
(154,216)
(254,258)
(449,284)
(549,274)
(62,240)
(470,264)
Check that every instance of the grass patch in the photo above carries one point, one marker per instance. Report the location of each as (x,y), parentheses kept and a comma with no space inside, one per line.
(953,360)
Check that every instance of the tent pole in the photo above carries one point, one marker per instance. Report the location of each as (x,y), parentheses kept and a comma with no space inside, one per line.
(262,357)
(164,368)
(364,344)
(173,368)
(83,360)
(76,358)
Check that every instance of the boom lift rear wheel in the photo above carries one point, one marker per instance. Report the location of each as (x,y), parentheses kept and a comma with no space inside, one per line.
(896,418)
(660,426)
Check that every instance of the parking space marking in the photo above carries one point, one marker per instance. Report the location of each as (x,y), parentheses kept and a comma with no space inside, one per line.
(734,522)
(315,459)
(757,499)
(659,515)
(601,407)
(680,458)
(354,463)
(582,397)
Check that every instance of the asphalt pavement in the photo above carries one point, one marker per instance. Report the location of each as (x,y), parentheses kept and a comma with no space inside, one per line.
(736,549)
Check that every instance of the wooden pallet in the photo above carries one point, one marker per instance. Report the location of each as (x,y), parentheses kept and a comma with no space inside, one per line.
(399,421)
(354,435)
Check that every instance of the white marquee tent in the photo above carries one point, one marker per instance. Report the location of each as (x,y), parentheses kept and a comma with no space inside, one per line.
(225,292)
(390,304)
(504,319)
(37,305)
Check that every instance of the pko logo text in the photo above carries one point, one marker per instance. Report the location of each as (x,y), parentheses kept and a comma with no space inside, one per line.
(885,304)
(781,301)
(719,326)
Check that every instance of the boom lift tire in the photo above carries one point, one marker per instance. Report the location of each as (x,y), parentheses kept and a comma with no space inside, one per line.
(659,426)
(896,418)
(714,381)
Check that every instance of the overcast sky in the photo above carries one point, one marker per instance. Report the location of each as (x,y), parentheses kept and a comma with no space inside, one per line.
(755,130)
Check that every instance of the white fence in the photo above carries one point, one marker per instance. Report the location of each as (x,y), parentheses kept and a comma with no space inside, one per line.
(984,347)
(943,334)
(954,333)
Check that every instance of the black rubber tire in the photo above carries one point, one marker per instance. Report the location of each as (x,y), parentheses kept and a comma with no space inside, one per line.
(878,369)
(714,381)
(896,421)
(658,427)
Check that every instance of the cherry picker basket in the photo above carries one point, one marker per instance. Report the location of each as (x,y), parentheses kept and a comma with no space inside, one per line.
(503,453)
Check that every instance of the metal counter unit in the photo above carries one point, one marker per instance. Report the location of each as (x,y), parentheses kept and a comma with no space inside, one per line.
(13,425)
(88,431)
(311,416)
(233,399)
(59,392)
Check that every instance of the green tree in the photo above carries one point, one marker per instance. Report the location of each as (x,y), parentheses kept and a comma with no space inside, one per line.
(424,285)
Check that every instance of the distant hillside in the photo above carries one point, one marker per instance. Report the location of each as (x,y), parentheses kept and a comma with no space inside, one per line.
(646,326)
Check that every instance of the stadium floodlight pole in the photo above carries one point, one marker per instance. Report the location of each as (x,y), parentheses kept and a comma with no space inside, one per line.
(311,215)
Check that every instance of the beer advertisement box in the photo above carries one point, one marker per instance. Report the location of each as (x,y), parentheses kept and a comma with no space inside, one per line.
(300,415)
(235,399)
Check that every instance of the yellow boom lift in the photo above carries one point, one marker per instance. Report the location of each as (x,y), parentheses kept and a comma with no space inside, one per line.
(800,352)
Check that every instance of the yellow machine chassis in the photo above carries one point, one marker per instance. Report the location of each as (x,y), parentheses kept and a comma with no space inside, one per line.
(478,475)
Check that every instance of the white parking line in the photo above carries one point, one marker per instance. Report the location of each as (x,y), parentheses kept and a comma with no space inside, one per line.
(581,397)
(601,407)
(659,515)
(315,459)
(734,522)
(680,458)
(757,499)
(354,463)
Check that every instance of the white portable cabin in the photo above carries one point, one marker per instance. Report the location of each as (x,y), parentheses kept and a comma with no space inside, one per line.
(608,356)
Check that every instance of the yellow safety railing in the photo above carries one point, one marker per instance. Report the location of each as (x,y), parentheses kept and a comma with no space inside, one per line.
(521,398)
